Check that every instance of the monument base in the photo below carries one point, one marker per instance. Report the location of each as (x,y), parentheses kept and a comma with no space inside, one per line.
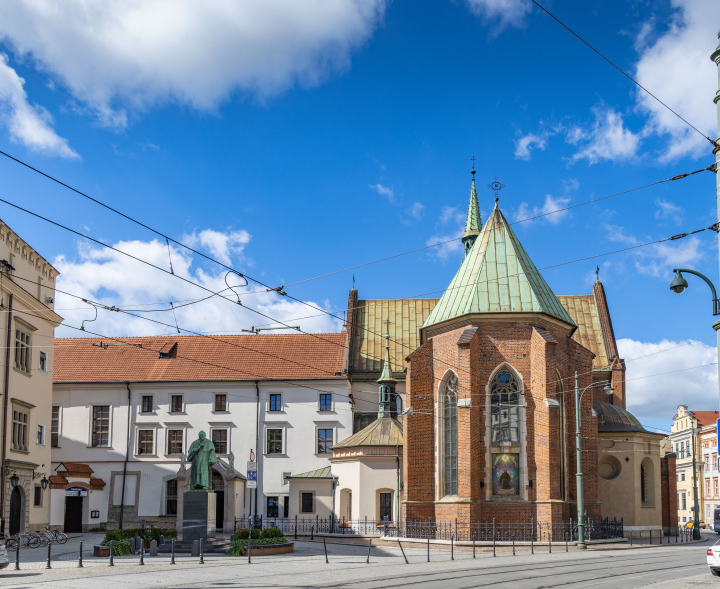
(198,515)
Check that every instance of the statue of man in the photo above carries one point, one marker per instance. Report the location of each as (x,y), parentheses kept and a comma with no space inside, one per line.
(201,456)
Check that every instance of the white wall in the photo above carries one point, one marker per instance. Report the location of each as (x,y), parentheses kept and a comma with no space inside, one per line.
(299,419)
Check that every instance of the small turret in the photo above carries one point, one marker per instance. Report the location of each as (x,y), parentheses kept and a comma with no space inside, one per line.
(473,223)
(388,404)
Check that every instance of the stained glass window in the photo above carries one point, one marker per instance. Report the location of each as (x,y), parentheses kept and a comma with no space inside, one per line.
(450,435)
(504,399)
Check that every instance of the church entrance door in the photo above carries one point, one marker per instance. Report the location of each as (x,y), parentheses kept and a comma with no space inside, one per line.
(15,511)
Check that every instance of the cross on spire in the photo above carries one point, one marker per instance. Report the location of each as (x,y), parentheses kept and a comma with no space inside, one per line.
(597,273)
(496,186)
(472,159)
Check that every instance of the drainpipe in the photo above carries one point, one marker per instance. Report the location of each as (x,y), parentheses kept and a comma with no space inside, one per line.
(5,418)
(397,493)
(127,456)
(257,443)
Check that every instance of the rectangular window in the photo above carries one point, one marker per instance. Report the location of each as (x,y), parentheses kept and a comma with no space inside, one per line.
(176,403)
(325,401)
(38,496)
(682,476)
(147,404)
(683,502)
(171,497)
(175,441)
(684,519)
(325,441)
(55,427)
(43,361)
(276,402)
(220,438)
(716,487)
(23,347)
(101,425)
(707,461)
(274,441)
(707,487)
(386,506)
(272,507)
(145,441)
(286,506)
(19,430)
(221,402)
(40,440)
(306,502)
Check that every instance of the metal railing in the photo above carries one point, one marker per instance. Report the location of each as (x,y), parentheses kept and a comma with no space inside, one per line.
(535,531)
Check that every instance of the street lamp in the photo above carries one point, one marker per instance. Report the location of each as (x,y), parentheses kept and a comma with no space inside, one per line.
(44,482)
(678,286)
(14,480)
(579,475)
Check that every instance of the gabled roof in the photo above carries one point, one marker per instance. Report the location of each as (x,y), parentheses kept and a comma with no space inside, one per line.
(497,276)
(320,473)
(195,358)
(584,312)
(384,431)
(706,417)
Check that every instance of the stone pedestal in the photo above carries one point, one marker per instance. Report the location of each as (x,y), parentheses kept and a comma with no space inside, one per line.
(198,516)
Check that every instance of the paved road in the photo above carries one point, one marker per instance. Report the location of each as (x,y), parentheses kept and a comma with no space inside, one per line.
(666,567)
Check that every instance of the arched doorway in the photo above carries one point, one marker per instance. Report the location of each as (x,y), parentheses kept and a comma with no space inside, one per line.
(16,510)
(218,485)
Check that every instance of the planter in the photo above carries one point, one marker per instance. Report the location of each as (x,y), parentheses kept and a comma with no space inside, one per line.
(100,550)
(270,549)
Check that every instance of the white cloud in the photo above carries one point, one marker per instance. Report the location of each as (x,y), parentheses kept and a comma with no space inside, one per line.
(222,246)
(111,278)
(668,210)
(508,12)
(385,191)
(449,228)
(116,56)
(677,69)
(607,139)
(28,124)
(525,144)
(416,210)
(659,396)
(550,205)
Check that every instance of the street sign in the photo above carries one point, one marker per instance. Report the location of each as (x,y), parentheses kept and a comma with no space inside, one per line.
(76,492)
(251,475)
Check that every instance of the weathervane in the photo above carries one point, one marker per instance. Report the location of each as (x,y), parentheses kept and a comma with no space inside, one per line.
(472,159)
(497,186)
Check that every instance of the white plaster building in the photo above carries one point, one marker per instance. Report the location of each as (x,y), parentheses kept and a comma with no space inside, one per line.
(128,411)
(711,472)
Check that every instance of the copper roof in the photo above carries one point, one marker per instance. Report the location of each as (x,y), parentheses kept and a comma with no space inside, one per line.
(583,310)
(613,418)
(406,317)
(235,357)
(381,432)
(320,473)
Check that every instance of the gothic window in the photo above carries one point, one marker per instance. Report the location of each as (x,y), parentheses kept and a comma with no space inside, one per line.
(504,408)
(450,450)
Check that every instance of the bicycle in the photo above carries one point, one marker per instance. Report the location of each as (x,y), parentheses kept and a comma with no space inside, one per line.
(26,539)
(55,536)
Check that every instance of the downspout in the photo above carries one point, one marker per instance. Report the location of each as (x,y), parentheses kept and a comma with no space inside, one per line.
(257,442)
(397,494)
(5,418)
(127,456)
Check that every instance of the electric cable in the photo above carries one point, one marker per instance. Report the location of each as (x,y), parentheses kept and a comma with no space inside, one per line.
(623,72)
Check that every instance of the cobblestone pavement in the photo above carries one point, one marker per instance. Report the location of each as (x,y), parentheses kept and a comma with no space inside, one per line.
(664,567)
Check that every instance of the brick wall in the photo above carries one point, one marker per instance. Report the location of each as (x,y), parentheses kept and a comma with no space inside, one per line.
(668,493)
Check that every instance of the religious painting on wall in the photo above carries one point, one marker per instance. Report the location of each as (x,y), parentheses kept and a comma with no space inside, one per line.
(506,474)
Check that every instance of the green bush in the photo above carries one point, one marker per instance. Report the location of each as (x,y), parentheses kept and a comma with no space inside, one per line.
(239,547)
(244,533)
(120,547)
(272,533)
(145,533)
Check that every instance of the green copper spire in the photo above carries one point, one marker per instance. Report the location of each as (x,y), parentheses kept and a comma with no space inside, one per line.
(387,382)
(473,223)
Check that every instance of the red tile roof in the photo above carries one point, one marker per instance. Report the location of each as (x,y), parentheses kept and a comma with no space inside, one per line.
(706,417)
(235,357)
(77,467)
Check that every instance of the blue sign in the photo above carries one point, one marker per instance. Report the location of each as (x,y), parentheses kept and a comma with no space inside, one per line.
(252,475)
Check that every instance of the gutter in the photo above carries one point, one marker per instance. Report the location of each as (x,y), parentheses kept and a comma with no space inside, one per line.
(5,418)
(257,441)
(125,462)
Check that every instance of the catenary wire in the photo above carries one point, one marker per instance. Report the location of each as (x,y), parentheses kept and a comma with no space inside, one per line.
(623,72)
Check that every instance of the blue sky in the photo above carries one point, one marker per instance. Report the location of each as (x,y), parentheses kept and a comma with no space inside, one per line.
(292,141)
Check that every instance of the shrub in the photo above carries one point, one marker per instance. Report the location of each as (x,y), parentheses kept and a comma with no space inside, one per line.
(244,533)
(120,547)
(272,533)
(239,547)
(145,533)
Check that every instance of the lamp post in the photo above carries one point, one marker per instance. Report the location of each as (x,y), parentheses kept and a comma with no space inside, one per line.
(678,286)
(579,475)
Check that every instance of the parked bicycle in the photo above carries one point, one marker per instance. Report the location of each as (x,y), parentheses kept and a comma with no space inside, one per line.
(55,536)
(26,539)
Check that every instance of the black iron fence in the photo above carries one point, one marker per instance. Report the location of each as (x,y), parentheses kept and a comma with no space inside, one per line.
(535,531)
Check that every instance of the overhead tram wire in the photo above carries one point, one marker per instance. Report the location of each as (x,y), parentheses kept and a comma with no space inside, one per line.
(279,290)
(623,72)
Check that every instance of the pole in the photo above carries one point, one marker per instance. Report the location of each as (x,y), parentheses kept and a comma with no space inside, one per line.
(112,551)
(428,539)
(579,476)
(716,58)
(325,547)
(696,529)
(5,419)
(47,566)
(17,555)
(403,551)
(80,564)
(172,551)
(202,560)
(368,556)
